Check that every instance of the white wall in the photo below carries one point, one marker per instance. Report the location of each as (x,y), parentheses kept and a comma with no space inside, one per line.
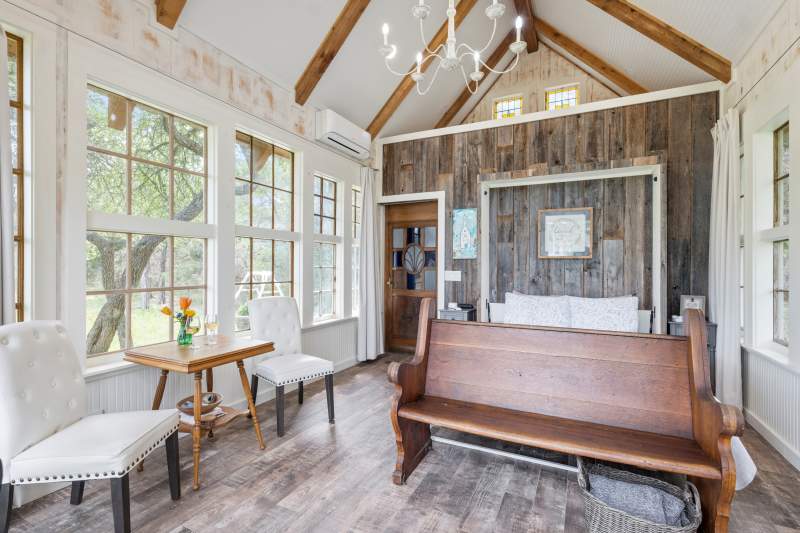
(69,44)
(764,92)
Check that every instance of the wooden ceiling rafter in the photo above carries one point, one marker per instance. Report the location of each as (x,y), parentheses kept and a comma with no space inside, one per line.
(406,85)
(605,69)
(670,38)
(328,49)
(500,51)
(169,11)
(525,10)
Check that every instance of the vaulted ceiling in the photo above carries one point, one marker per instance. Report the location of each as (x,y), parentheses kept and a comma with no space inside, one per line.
(279,38)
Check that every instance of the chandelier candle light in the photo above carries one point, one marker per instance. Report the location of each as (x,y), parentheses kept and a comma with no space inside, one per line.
(450,54)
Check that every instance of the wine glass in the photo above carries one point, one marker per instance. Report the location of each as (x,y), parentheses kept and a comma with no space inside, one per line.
(212,325)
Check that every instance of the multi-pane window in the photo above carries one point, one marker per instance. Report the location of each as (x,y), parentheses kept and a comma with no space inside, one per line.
(780,248)
(356,250)
(264,267)
(141,162)
(781,186)
(507,107)
(130,277)
(561,97)
(356,213)
(324,206)
(15,93)
(264,184)
(324,268)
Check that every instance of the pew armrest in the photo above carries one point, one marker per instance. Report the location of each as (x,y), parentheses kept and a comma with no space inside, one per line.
(409,377)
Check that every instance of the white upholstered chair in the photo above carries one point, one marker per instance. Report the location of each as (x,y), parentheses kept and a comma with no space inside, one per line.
(276,319)
(46,435)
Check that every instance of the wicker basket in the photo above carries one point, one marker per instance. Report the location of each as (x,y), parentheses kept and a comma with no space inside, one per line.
(600,518)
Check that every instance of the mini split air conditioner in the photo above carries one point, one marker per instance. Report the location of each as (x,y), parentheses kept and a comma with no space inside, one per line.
(338,132)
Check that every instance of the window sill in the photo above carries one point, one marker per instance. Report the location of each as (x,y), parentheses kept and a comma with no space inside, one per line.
(96,370)
(328,323)
(776,356)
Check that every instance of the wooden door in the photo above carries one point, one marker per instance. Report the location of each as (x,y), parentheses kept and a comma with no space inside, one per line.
(411,269)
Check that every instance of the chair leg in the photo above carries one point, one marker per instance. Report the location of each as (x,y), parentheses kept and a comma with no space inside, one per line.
(329,394)
(279,403)
(121,504)
(174,466)
(300,392)
(76,496)
(6,499)
(254,390)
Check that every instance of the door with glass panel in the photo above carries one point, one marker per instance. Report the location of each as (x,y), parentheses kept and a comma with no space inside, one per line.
(411,263)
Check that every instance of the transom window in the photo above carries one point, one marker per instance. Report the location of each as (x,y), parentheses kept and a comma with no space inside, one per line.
(324,267)
(15,93)
(264,184)
(324,206)
(264,267)
(561,97)
(507,107)
(141,162)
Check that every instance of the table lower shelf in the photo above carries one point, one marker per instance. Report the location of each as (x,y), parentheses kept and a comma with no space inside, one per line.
(230,414)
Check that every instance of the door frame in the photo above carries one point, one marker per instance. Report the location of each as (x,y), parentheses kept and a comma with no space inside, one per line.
(441,209)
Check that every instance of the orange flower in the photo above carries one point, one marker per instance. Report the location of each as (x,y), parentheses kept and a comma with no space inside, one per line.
(166,310)
(185,302)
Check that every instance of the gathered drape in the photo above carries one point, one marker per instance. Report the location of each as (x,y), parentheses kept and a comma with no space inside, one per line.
(370,320)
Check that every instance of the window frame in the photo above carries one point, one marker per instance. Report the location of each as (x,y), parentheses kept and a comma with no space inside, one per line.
(777,177)
(18,171)
(250,284)
(334,292)
(135,225)
(561,89)
(515,110)
(319,200)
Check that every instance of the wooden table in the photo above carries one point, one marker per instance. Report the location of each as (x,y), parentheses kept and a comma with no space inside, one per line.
(169,356)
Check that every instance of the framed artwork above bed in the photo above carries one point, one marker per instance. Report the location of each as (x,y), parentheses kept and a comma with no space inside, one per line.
(565,233)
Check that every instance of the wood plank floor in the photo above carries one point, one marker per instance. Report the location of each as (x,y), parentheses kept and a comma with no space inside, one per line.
(322,477)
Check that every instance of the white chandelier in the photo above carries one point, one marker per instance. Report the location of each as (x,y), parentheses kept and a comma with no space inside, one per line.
(451,54)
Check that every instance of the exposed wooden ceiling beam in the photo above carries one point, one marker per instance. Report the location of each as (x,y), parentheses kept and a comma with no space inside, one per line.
(407,84)
(494,59)
(579,52)
(168,12)
(668,37)
(525,10)
(328,49)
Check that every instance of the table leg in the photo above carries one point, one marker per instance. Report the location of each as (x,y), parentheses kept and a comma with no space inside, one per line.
(210,388)
(251,405)
(162,384)
(198,385)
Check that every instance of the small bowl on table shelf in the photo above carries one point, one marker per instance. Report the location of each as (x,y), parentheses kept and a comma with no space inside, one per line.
(208,402)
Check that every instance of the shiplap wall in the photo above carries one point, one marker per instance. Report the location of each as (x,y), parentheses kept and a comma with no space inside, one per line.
(675,132)
(622,240)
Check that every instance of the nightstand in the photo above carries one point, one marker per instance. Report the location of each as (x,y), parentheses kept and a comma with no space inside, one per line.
(679,330)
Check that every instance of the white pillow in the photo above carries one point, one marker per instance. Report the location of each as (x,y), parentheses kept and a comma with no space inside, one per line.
(537,310)
(610,314)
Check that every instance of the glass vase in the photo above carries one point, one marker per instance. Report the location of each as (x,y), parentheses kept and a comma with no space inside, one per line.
(184,337)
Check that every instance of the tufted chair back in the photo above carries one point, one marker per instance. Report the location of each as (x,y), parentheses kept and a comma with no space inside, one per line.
(275,318)
(41,386)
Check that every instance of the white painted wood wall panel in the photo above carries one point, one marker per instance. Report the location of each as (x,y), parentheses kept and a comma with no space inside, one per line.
(772,403)
(133,389)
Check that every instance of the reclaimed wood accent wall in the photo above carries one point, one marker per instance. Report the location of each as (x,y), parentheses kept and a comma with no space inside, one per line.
(674,132)
(622,240)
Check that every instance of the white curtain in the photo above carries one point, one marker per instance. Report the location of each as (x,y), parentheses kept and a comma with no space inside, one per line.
(370,319)
(723,275)
(7,312)
(723,278)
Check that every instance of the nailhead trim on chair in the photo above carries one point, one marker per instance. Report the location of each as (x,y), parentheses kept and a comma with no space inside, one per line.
(290,381)
(96,475)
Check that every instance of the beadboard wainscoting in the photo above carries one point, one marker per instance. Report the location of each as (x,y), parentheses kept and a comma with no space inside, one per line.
(772,402)
(133,387)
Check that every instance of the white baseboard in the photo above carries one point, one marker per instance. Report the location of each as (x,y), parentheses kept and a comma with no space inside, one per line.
(784,448)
